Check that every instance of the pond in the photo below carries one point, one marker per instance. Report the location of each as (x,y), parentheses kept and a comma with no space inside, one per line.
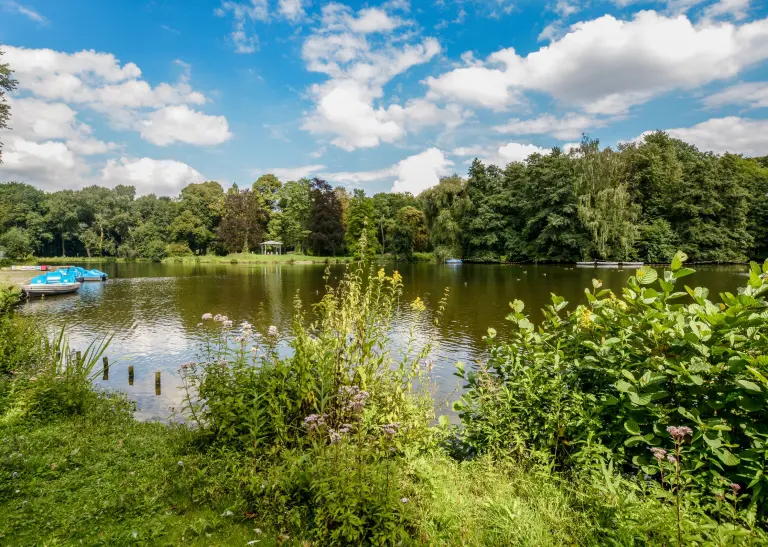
(154,309)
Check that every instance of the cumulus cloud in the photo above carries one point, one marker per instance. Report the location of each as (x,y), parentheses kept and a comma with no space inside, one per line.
(348,105)
(750,95)
(571,126)
(162,177)
(608,65)
(291,9)
(500,155)
(293,173)
(182,124)
(50,165)
(730,134)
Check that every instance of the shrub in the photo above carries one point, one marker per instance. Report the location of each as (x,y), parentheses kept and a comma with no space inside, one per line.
(155,250)
(17,243)
(178,249)
(614,374)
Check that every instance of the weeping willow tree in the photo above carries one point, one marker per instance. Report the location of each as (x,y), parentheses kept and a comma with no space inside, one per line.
(444,207)
(605,209)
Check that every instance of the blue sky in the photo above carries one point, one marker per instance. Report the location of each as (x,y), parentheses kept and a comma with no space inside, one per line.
(382,96)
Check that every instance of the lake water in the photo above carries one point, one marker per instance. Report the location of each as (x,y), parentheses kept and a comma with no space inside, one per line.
(153,310)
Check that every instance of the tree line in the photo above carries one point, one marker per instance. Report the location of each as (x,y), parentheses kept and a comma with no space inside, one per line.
(642,201)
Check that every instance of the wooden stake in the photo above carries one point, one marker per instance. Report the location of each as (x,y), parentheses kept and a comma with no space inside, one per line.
(130,375)
(157,383)
(106,369)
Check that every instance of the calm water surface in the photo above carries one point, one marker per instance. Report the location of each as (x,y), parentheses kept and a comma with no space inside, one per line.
(153,310)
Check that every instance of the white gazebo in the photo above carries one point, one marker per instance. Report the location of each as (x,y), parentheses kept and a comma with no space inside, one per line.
(271,245)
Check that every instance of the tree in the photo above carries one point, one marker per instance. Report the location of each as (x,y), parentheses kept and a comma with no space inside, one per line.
(245,219)
(385,208)
(361,218)
(205,202)
(267,189)
(191,230)
(7,84)
(605,208)
(444,207)
(289,223)
(325,221)
(16,243)
(409,234)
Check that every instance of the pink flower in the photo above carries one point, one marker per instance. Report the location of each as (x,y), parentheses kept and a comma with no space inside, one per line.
(679,433)
(671,458)
(735,487)
(207,317)
(658,453)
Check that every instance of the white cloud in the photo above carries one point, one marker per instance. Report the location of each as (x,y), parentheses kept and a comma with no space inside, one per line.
(182,124)
(735,8)
(293,173)
(50,165)
(413,174)
(607,65)
(347,104)
(162,177)
(751,95)
(730,134)
(291,9)
(500,155)
(26,11)
(571,126)
(417,173)
(242,12)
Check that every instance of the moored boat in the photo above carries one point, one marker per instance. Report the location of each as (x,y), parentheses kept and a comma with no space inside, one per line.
(51,284)
(633,264)
(607,264)
(586,264)
(81,274)
(454,261)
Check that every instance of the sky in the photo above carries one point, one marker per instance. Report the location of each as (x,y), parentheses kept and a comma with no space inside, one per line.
(383,96)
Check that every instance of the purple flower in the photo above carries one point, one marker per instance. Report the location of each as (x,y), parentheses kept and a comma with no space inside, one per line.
(658,453)
(390,429)
(272,331)
(334,436)
(679,433)
(671,458)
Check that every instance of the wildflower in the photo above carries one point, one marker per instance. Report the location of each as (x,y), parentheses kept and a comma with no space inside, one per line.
(15,475)
(254,349)
(314,421)
(390,429)
(735,487)
(671,458)
(227,513)
(199,324)
(53,466)
(207,317)
(658,453)
(257,530)
(253,542)
(381,274)
(226,323)
(345,428)
(404,500)
(334,436)
(272,331)
(180,463)
(418,305)
(396,277)
(679,433)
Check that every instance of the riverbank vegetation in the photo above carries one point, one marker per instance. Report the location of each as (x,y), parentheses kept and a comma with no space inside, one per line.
(632,419)
(642,201)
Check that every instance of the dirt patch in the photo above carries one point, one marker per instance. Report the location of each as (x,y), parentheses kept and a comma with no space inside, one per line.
(16,277)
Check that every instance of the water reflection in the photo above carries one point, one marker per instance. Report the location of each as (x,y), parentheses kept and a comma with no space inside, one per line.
(153,310)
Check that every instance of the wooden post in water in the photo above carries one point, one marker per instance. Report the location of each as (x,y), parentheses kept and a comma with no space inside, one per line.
(157,382)
(106,369)
(130,375)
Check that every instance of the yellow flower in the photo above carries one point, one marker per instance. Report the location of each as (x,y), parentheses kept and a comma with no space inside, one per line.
(396,277)
(585,318)
(381,274)
(418,305)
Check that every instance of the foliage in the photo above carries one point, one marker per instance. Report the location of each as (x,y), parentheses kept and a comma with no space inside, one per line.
(244,222)
(16,243)
(326,229)
(614,374)
(7,85)
(409,234)
(20,338)
(360,219)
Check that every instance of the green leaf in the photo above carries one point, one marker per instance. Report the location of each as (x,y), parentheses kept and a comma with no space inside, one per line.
(632,427)
(525,324)
(596,283)
(646,275)
(623,386)
(517,305)
(491,333)
(640,399)
(628,375)
(444,421)
(749,386)
(684,272)
(678,260)
(726,457)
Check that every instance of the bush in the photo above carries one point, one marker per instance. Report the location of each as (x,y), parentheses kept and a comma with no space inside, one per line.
(329,425)
(178,249)
(156,251)
(17,243)
(613,376)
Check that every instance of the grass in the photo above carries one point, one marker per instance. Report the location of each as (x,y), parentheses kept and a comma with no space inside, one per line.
(106,479)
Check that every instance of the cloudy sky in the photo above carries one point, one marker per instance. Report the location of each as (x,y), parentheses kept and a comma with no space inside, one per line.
(380,96)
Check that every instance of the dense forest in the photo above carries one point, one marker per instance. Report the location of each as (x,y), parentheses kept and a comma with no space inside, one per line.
(642,201)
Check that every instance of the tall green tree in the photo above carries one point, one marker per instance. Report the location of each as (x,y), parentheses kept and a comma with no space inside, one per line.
(409,233)
(444,207)
(289,223)
(326,231)
(361,218)
(244,222)
(267,188)
(7,84)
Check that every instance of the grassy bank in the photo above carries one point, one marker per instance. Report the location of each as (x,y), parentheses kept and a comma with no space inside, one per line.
(338,442)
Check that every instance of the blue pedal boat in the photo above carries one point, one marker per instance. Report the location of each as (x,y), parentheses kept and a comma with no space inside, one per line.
(51,283)
(83,275)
